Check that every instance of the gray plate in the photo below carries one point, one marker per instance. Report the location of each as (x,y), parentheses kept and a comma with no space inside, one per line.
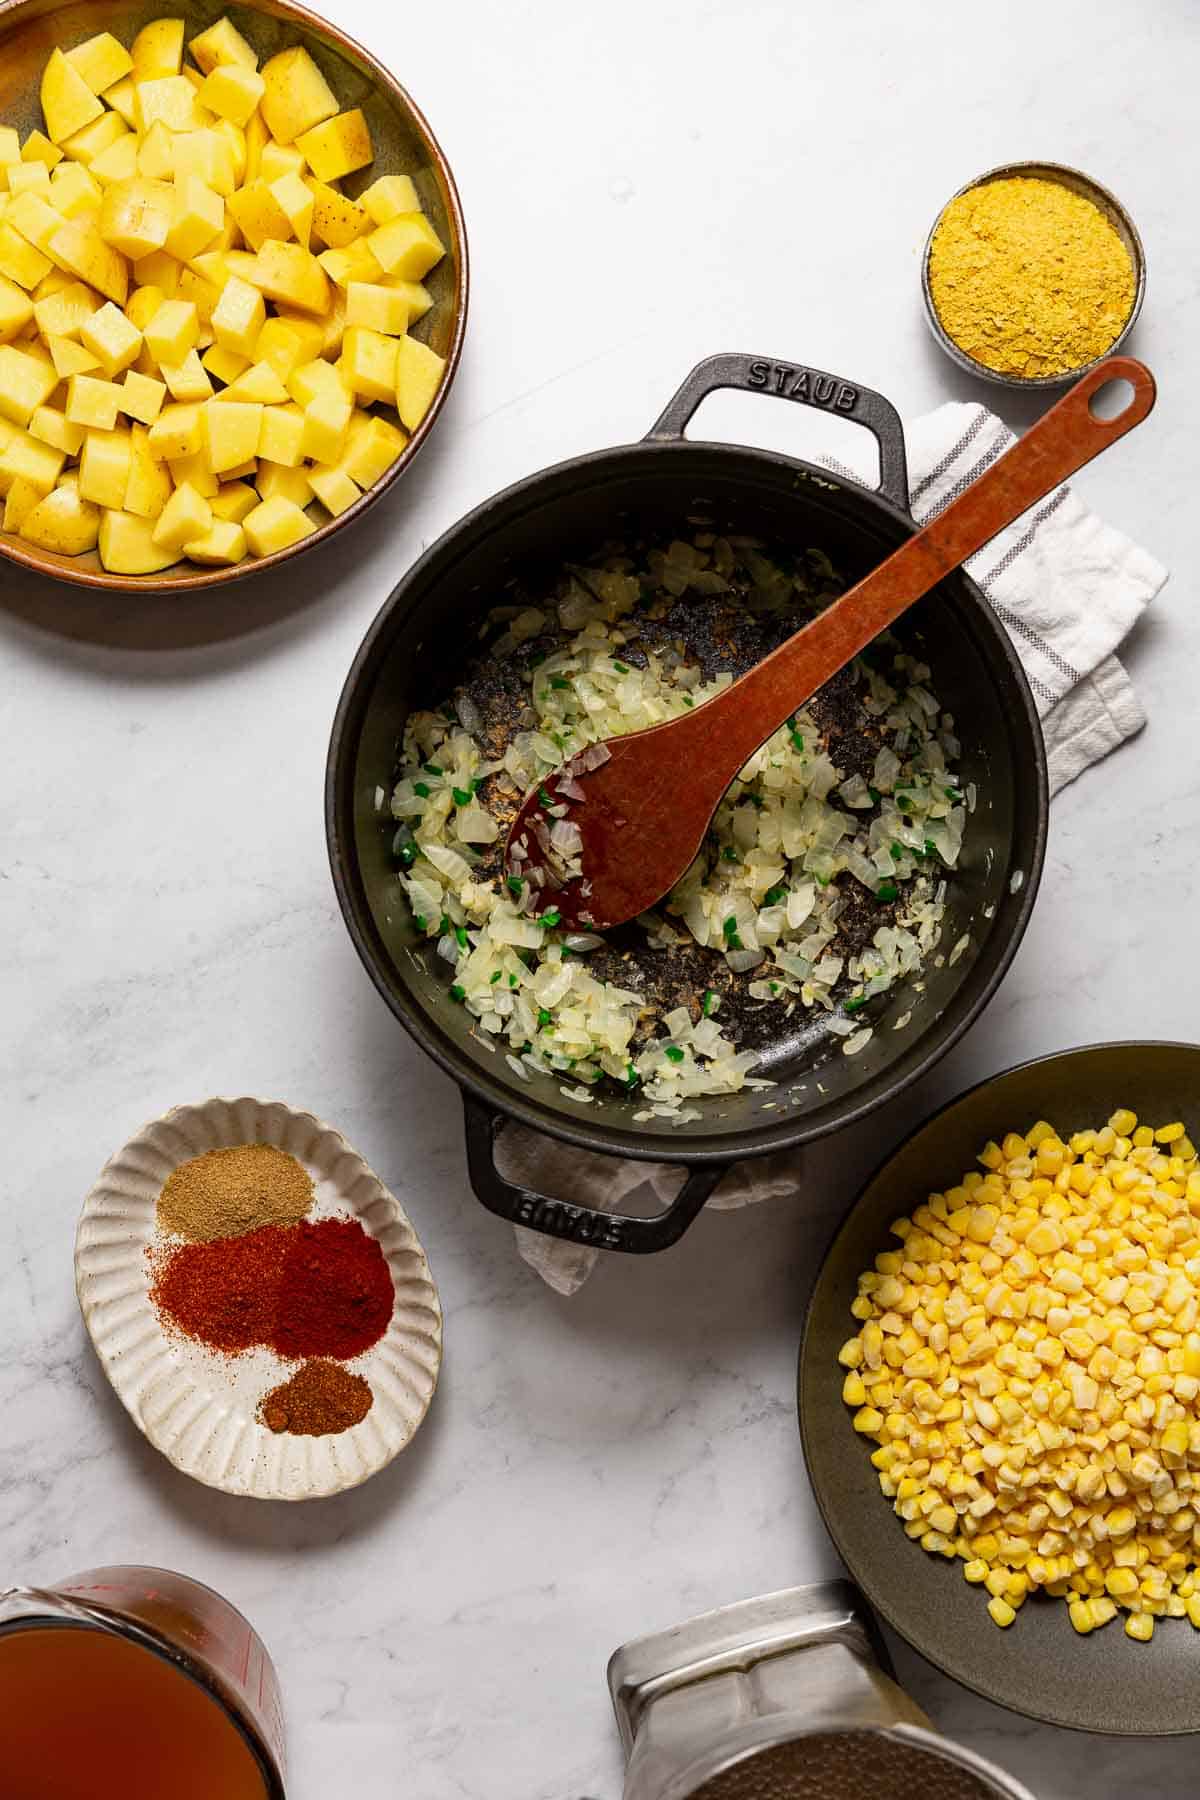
(1104,1682)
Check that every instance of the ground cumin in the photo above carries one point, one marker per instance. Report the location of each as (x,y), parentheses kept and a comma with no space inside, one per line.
(226,1192)
(1029,278)
(321,1398)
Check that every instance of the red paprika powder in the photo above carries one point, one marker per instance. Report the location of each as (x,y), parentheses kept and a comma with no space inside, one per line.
(318,1288)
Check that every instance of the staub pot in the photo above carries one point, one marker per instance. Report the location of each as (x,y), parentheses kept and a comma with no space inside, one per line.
(415,647)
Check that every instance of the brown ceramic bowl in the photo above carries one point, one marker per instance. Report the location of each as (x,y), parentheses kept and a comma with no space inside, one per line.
(404,145)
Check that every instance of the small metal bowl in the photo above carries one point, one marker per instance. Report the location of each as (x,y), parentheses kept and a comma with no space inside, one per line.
(404,145)
(1117,217)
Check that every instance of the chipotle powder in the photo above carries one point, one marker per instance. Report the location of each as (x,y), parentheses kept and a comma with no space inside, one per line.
(314,1289)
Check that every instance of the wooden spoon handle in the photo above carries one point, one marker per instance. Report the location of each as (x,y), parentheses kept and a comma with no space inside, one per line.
(1061,442)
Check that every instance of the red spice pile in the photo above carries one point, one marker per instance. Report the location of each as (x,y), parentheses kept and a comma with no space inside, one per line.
(311,1289)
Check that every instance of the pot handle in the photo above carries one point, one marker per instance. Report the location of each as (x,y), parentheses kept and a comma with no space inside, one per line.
(808,387)
(563,1218)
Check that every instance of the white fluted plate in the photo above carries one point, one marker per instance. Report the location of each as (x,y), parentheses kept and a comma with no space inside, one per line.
(198,1407)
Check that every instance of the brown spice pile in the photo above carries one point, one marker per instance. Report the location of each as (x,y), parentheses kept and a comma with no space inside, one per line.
(321,1398)
(227,1192)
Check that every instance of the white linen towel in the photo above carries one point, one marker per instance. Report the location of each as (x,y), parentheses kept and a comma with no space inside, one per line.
(1068,589)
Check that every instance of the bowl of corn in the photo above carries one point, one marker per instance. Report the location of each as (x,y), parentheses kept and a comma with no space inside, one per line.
(233,287)
(1003,1351)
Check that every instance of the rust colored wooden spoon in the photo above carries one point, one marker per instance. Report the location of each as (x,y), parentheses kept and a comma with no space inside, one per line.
(643,802)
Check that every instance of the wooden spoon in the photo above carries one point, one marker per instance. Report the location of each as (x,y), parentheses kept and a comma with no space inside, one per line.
(643,802)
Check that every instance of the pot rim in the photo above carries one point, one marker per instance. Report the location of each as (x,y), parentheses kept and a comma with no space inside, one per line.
(505,1096)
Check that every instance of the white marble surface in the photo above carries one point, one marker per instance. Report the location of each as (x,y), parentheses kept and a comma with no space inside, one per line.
(644,184)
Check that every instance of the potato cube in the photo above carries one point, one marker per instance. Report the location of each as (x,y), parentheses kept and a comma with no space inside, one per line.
(19,260)
(149,485)
(19,502)
(112,340)
(157,49)
(176,432)
(372,446)
(232,92)
(325,421)
(34,219)
(68,103)
(136,216)
(337,220)
(37,148)
(30,178)
(256,138)
(238,317)
(159,270)
(142,397)
(288,343)
(142,305)
(122,97)
(93,140)
(316,377)
(25,384)
(63,312)
(62,522)
(127,547)
(101,60)
(297,95)
(231,430)
(156,154)
(259,215)
(275,524)
(195,470)
(206,154)
(333,325)
(276,481)
(279,159)
(104,467)
(281,435)
(10,147)
(78,247)
(417,297)
(222,545)
(407,246)
(259,384)
(368,363)
(419,372)
(73,192)
(187,514)
(222,46)
(353,263)
(118,163)
(378,308)
(224,365)
(334,489)
(172,332)
(26,458)
(338,146)
(204,296)
(93,404)
(50,426)
(296,202)
(291,274)
(170,100)
(198,216)
(16,310)
(70,358)
(187,380)
(233,500)
(389,196)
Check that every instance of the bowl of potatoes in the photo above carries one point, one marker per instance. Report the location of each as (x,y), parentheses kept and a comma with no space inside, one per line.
(233,287)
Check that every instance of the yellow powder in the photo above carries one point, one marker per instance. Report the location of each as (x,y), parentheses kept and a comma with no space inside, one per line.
(226,1192)
(1029,278)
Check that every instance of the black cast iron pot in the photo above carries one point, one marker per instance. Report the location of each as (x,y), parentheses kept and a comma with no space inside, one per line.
(415,648)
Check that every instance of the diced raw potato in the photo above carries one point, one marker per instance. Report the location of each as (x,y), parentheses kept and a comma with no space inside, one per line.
(222,46)
(368,364)
(291,274)
(94,139)
(326,418)
(30,178)
(172,332)
(194,469)
(64,310)
(50,426)
(19,502)
(419,372)
(73,192)
(372,446)
(203,296)
(16,310)
(280,159)
(206,154)
(122,97)
(187,514)
(78,246)
(275,481)
(288,343)
(104,467)
(239,317)
(93,403)
(24,458)
(233,500)
(258,384)
(37,148)
(160,271)
(149,486)
(231,430)
(176,432)
(296,202)
(379,308)
(259,215)
(118,163)
(157,50)
(338,146)
(256,137)
(388,196)
(334,489)
(25,384)
(36,222)
(101,61)
(112,340)
(156,154)
(187,380)
(232,92)
(198,216)
(337,220)
(235,137)
(352,263)
(281,435)
(417,297)
(171,101)
(68,103)
(297,95)
(142,305)
(62,522)
(142,397)
(274,525)
(224,365)
(10,147)
(127,545)
(223,544)
(19,260)
(70,358)
(407,246)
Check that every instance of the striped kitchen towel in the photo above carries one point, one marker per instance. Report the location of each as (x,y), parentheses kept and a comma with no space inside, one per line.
(1068,589)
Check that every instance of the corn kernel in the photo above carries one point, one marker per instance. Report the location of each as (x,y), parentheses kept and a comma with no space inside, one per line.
(1003,1614)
